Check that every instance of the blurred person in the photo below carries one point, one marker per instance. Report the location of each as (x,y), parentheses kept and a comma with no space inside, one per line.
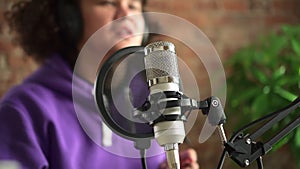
(39,127)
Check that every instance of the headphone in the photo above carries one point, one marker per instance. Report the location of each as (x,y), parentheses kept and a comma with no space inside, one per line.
(70,22)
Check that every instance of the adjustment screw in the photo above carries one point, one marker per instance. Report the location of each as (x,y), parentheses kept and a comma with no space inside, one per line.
(215,103)
(247,162)
(248,141)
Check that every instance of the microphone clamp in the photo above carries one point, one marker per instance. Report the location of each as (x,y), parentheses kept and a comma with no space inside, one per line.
(151,110)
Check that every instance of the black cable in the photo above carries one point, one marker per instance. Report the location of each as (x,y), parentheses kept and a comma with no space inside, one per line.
(143,158)
(260,163)
(222,159)
(142,145)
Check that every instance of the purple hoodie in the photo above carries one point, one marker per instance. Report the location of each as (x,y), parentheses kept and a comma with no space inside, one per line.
(39,127)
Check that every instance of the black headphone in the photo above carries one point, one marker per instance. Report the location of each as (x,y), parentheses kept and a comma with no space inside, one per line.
(71,23)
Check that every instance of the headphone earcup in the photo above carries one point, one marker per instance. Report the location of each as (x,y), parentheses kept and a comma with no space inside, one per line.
(69,20)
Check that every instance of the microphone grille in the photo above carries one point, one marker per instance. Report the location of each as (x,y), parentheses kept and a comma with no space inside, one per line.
(161,60)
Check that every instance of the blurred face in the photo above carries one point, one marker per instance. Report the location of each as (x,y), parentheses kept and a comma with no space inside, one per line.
(98,13)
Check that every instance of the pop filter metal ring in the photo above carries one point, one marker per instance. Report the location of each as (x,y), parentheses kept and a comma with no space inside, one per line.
(99,88)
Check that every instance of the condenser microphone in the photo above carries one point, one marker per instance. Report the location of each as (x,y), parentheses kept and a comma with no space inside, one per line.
(164,85)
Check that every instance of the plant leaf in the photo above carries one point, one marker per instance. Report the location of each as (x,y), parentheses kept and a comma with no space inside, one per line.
(296,47)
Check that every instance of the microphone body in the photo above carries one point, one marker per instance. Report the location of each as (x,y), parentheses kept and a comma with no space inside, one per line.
(163,76)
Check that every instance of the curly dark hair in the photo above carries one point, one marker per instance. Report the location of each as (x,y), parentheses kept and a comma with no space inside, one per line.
(38,29)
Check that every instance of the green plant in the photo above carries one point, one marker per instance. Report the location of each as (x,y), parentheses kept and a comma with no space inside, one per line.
(265,77)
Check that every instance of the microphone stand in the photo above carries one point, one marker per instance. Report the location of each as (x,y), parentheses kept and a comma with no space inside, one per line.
(243,148)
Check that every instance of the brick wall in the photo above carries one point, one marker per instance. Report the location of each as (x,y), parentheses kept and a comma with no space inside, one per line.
(13,66)
(229,24)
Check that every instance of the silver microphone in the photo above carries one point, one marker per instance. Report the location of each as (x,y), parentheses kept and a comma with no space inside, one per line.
(163,76)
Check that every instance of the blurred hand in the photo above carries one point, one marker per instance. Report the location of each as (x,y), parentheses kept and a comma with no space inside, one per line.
(188,160)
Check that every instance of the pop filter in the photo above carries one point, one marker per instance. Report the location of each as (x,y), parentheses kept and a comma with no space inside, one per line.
(121,87)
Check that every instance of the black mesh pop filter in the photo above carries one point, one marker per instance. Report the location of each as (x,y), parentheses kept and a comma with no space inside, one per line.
(121,87)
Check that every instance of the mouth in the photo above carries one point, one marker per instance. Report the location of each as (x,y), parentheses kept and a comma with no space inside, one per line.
(123,32)
(124,28)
